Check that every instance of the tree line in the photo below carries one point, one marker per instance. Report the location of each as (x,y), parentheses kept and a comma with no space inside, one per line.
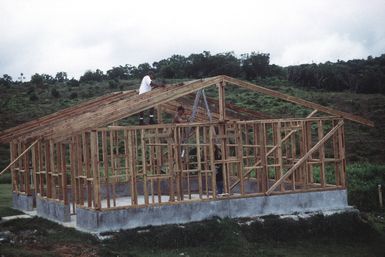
(361,76)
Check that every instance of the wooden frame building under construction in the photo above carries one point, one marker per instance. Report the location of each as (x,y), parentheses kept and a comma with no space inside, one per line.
(80,164)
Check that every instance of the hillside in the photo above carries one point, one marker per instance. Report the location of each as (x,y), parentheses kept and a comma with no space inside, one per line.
(26,102)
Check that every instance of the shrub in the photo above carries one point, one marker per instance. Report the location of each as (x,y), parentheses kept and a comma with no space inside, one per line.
(73,82)
(55,93)
(113,84)
(33,97)
(73,95)
(363,181)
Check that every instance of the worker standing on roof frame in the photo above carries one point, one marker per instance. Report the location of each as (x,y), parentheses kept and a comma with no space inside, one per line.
(145,86)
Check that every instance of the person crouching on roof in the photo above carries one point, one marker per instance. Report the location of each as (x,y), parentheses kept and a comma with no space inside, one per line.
(145,86)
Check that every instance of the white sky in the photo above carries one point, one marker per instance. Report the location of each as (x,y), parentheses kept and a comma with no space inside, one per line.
(48,36)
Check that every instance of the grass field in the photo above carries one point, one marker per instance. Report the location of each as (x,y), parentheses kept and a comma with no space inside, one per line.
(337,235)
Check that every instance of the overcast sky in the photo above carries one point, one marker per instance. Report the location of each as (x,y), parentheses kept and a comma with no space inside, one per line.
(48,36)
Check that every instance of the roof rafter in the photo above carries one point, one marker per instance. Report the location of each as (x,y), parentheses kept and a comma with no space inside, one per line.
(298,101)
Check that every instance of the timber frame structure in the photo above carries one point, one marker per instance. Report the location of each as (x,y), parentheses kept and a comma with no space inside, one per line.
(82,160)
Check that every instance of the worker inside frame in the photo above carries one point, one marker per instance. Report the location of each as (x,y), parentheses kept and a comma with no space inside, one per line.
(145,86)
(180,116)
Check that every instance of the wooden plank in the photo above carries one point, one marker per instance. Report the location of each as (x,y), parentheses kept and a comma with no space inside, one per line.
(222,133)
(52,168)
(105,168)
(341,144)
(87,163)
(41,168)
(206,159)
(47,169)
(144,167)
(95,169)
(13,154)
(305,157)
(199,164)
(113,166)
(221,100)
(72,153)
(240,157)
(212,161)
(293,156)
(321,154)
(79,193)
(63,173)
(298,101)
(309,144)
(262,151)
(178,168)
(279,153)
(336,156)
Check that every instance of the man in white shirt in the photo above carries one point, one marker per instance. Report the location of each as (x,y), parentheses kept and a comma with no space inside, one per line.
(145,86)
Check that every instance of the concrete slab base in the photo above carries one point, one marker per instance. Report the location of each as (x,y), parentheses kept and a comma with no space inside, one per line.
(52,210)
(22,202)
(127,218)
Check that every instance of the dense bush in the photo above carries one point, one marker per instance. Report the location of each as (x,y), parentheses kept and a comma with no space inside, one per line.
(55,93)
(363,181)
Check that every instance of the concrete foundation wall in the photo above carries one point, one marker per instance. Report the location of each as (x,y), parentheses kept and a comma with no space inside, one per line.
(22,202)
(52,209)
(99,221)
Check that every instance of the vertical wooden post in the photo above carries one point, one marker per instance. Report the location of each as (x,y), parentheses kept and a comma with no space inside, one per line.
(113,166)
(59,173)
(171,169)
(95,169)
(105,167)
(293,144)
(87,164)
(158,154)
(144,167)
(159,114)
(206,159)
(221,95)
(35,167)
(321,153)
(132,168)
(178,164)
(240,155)
(53,168)
(303,150)
(199,165)
(309,146)
(73,153)
(247,141)
(257,155)
(13,153)
(48,177)
(27,171)
(212,162)
(262,151)
(41,169)
(19,169)
(279,153)
(341,150)
(337,157)
(64,173)
(79,196)
(126,161)
(222,135)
